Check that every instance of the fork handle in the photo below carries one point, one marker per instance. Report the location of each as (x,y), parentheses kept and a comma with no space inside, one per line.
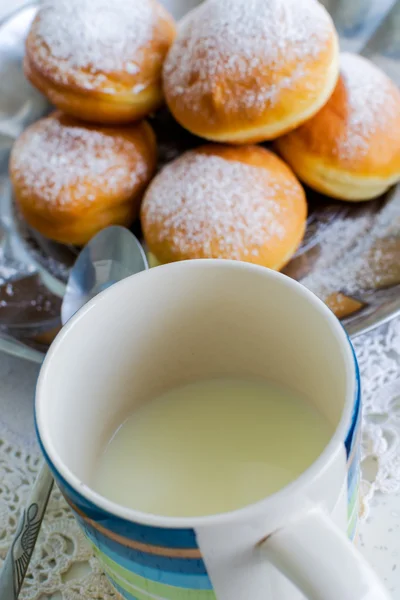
(20,552)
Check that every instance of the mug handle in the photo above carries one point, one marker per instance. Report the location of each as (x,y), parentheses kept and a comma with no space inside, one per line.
(321,561)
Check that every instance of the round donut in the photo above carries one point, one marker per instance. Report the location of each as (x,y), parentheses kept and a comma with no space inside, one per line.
(244,71)
(71,180)
(97,60)
(351,148)
(241,203)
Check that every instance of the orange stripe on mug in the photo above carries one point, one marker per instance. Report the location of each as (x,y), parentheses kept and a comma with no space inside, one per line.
(134,544)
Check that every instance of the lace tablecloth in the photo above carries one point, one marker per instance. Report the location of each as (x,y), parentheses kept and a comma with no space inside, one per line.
(63,567)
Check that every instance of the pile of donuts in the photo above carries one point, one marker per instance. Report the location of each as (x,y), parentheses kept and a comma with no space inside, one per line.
(233,72)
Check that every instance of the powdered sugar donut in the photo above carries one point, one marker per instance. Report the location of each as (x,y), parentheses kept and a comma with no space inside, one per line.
(71,180)
(351,148)
(249,70)
(99,60)
(240,203)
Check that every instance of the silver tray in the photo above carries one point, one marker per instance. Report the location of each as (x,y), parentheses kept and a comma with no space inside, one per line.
(350,254)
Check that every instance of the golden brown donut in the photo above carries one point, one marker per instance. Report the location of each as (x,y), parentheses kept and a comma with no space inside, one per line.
(71,180)
(351,148)
(98,60)
(240,203)
(244,71)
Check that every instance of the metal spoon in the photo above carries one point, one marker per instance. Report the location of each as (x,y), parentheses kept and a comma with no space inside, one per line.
(110,256)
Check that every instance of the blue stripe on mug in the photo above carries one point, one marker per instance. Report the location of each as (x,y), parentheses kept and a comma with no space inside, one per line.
(351,438)
(179,580)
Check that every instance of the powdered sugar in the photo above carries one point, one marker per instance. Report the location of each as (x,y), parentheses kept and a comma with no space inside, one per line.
(206,205)
(358,253)
(238,40)
(7,268)
(372,104)
(60,164)
(96,36)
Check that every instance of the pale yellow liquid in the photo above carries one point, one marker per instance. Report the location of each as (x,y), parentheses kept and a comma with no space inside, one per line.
(209,447)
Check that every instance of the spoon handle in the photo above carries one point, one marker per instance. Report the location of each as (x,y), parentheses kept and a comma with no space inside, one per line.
(20,552)
(12,346)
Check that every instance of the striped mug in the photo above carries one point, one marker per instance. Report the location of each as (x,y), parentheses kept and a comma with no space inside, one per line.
(187,321)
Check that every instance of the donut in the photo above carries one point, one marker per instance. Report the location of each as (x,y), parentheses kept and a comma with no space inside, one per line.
(98,60)
(71,180)
(233,202)
(243,71)
(351,148)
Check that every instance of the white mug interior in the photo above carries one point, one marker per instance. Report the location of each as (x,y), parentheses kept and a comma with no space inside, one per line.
(178,323)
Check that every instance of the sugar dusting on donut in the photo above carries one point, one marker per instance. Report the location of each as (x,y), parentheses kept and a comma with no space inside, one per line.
(201,198)
(95,36)
(371,104)
(58,163)
(236,38)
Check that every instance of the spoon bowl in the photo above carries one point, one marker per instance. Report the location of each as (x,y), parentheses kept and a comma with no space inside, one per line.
(111,255)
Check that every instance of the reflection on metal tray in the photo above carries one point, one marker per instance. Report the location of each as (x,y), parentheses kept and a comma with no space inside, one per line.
(350,254)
